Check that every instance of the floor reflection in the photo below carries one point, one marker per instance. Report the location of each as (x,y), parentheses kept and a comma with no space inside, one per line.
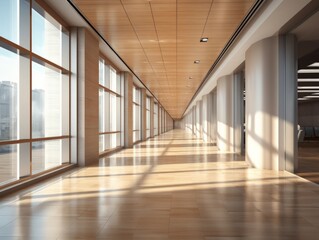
(170,187)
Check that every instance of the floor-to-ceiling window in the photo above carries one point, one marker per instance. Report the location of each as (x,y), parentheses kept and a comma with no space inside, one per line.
(160,118)
(136,114)
(110,97)
(148,117)
(155,119)
(34,90)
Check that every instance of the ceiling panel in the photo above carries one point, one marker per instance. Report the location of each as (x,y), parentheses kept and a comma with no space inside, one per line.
(160,39)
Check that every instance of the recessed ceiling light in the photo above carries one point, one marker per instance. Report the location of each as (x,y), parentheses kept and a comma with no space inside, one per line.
(197,61)
(309,87)
(309,91)
(311,96)
(308,80)
(204,39)
(316,64)
(308,71)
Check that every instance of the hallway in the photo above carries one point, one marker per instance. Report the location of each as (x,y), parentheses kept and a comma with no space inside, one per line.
(170,187)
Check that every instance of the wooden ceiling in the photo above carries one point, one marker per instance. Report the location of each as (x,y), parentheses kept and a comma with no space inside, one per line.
(160,39)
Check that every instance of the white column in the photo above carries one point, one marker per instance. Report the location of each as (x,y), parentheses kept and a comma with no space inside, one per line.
(199,119)
(225,113)
(271,103)
(213,116)
(262,106)
(205,125)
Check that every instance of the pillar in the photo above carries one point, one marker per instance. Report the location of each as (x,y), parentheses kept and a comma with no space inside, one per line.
(213,116)
(205,125)
(271,103)
(225,113)
(128,109)
(88,98)
(199,119)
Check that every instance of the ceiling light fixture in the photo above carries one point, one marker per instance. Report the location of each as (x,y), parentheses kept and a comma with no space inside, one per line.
(309,91)
(315,64)
(311,96)
(308,70)
(309,87)
(197,61)
(308,79)
(204,39)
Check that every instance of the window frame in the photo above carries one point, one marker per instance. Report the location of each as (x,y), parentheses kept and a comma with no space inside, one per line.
(32,57)
(120,96)
(139,106)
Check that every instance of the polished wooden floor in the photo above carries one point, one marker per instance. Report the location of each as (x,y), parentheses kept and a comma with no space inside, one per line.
(308,160)
(170,187)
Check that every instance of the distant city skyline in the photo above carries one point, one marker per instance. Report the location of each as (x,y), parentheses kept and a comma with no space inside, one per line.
(9,112)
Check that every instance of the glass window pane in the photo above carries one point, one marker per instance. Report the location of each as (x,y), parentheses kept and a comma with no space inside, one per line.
(46,101)
(101,143)
(113,109)
(106,142)
(136,136)
(118,114)
(148,103)
(119,84)
(8,163)
(101,110)
(48,38)
(107,76)
(107,112)
(65,145)
(48,154)
(113,80)
(118,139)
(15,21)
(12,68)
(136,117)
(148,119)
(101,72)
(136,95)
(113,140)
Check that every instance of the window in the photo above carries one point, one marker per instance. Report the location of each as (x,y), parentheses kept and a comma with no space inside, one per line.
(15,21)
(136,114)
(155,119)
(148,117)
(110,97)
(34,121)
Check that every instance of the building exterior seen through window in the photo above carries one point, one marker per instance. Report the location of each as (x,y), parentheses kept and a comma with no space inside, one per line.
(34,90)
